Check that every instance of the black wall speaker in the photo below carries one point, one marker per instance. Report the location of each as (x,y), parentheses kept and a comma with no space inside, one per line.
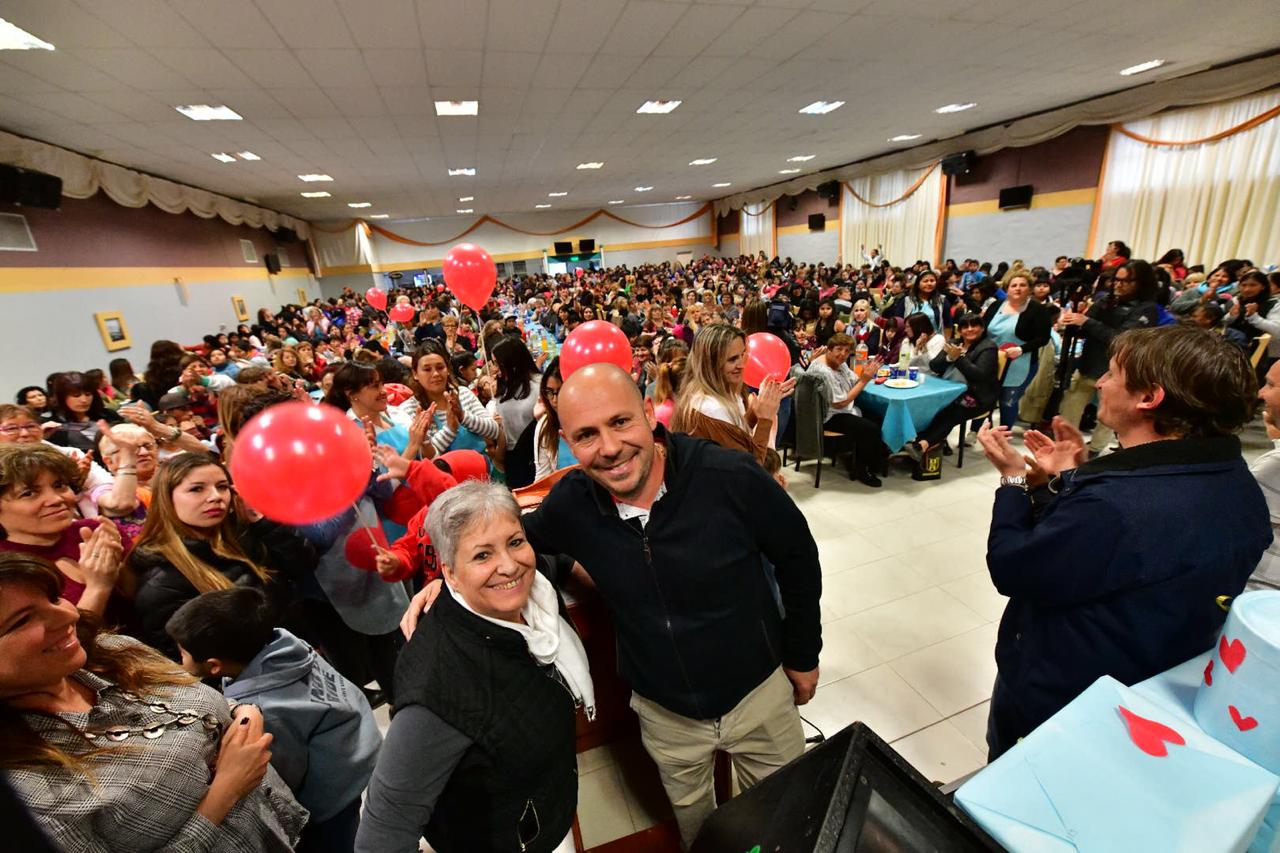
(29,189)
(830,191)
(564,248)
(587,247)
(1015,197)
(959,164)
(286,235)
(817,222)
(792,202)
(273,263)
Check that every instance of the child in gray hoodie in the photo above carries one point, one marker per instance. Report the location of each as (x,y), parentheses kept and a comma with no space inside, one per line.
(325,738)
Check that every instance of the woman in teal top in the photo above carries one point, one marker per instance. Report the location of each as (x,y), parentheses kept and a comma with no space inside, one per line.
(1020,326)
(551,451)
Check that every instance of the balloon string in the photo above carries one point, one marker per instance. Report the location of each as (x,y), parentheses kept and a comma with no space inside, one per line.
(367,518)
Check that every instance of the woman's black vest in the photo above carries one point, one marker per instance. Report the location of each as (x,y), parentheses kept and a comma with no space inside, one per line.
(516,788)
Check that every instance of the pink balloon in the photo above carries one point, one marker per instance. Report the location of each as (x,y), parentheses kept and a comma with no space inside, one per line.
(377,298)
(299,463)
(579,272)
(767,355)
(663,412)
(595,342)
(402,313)
(470,274)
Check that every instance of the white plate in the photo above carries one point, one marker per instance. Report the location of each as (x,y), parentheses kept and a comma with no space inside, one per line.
(901,383)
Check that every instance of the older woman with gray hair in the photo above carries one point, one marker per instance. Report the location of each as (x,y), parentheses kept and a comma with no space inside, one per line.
(480,754)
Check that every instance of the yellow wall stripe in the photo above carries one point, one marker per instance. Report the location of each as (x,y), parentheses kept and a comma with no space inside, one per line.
(832,225)
(39,279)
(1065,198)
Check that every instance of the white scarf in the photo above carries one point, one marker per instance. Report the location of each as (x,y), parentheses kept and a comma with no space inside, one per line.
(551,640)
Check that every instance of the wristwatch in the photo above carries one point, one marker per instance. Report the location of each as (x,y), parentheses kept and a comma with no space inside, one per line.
(1019,481)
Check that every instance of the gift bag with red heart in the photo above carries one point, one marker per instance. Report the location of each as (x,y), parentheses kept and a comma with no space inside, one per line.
(1239,699)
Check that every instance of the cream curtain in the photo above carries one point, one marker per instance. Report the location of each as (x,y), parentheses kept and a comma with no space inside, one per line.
(756,230)
(83,176)
(1215,201)
(906,229)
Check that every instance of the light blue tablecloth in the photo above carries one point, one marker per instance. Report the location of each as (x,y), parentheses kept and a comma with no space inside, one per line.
(903,412)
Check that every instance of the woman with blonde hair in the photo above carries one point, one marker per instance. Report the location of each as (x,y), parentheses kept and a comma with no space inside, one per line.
(286,362)
(111,747)
(199,538)
(713,402)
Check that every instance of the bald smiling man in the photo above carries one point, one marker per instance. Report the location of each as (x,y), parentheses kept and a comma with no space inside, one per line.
(674,531)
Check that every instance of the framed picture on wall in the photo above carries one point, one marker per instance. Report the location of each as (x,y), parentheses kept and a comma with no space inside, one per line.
(241,309)
(115,335)
(302,296)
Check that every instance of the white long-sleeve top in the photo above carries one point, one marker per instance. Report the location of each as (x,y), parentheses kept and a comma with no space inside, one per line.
(1271,325)
(474,418)
(1266,470)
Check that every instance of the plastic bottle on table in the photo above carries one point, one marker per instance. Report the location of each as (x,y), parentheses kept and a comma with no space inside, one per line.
(860,354)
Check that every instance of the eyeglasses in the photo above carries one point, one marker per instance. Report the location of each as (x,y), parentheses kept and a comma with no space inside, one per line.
(14,429)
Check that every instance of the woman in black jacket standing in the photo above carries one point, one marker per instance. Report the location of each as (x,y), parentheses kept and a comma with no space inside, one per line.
(480,754)
(1020,325)
(198,539)
(975,361)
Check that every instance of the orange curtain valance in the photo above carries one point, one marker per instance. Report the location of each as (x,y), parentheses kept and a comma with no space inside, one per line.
(391,235)
(906,195)
(1249,124)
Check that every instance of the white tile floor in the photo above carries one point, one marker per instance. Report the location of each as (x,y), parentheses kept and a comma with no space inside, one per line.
(909,628)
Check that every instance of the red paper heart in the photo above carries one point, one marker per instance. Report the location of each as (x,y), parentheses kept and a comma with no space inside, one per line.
(1232,653)
(1208,673)
(1242,723)
(1148,735)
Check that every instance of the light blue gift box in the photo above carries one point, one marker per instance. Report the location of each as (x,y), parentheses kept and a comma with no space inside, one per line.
(1079,783)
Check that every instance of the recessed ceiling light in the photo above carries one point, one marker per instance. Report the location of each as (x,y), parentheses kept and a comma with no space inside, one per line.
(703,161)
(16,38)
(616,201)
(1142,66)
(379,215)
(453,173)
(820,108)
(592,165)
(465,210)
(359,204)
(556,195)
(541,206)
(801,158)
(643,189)
(683,197)
(787,171)
(954,108)
(904,137)
(204,112)
(321,194)
(467,198)
(223,157)
(723,184)
(247,155)
(312,178)
(457,108)
(658,106)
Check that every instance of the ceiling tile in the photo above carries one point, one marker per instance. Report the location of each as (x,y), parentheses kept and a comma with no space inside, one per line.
(700,26)
(581,26)
(518,25)
(385,24)
(64,24)
(203,67)
(397,66)
(271,69)
(509,70)
(148,23)
(559,71)
(408,100)
(642,27)
(453,24)
(229,23)
(335,67)
(461,69)
(312,24)
(748,30)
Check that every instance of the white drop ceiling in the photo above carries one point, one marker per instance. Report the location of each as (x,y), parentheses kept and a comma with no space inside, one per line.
(347,87)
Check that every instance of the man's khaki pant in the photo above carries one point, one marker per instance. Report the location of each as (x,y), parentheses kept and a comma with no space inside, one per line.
(1074,401)
(761,734)
(1036,397)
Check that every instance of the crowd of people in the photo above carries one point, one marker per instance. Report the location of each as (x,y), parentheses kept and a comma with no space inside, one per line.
(135,584)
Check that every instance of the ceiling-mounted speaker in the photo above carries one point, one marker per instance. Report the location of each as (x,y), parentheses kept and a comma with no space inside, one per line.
(564,247)
(1012,198)
(30,189)
(586,247)
(273,263)
(817,222)
(830,191)
(959,164)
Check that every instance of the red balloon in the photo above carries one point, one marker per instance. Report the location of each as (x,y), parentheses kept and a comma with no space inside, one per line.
(377,298)
(402,313)
(767,355)
(298,463)
(579,272)
(470,274)
(595,342)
